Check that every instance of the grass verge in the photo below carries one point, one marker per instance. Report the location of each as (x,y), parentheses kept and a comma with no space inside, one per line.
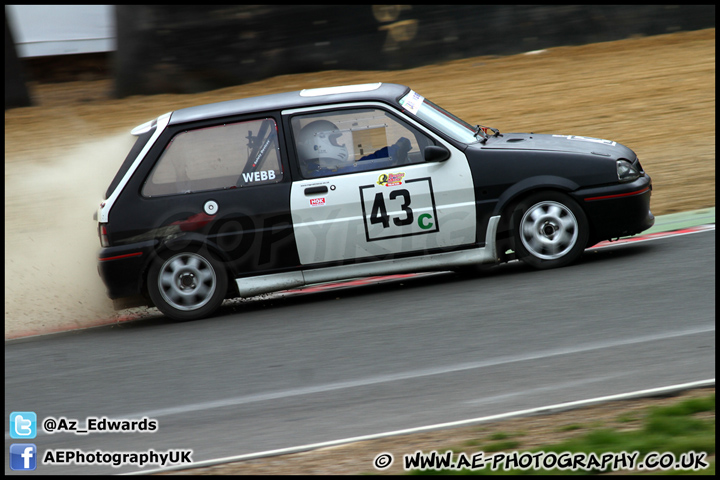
(674,439)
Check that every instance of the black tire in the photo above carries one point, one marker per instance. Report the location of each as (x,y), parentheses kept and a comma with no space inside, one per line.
(187,285)
(549,230)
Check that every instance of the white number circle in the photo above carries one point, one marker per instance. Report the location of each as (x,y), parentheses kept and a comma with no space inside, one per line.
(211,207)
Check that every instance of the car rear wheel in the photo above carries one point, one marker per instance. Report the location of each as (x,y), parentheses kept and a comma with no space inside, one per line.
(550,230)
(187,285)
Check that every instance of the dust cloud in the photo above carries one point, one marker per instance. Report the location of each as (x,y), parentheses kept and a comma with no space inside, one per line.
(51,242)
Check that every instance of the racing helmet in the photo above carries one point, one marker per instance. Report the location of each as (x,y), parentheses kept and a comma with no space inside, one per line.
(318,141)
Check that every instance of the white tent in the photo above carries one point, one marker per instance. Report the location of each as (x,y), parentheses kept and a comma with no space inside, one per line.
(41,30)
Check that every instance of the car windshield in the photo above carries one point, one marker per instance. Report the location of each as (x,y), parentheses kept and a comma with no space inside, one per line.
(441,119)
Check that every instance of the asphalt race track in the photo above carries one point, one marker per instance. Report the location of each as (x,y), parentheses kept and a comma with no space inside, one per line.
(300,369)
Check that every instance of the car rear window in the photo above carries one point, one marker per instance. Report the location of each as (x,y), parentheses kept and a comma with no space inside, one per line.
(235,155)
(131,156)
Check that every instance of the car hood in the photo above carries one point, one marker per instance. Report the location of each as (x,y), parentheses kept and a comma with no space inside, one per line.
(559,143)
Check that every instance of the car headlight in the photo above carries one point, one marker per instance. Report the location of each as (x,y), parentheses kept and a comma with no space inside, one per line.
(626,172)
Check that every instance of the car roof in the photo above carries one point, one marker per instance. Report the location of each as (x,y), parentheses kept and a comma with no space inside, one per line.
(383,92)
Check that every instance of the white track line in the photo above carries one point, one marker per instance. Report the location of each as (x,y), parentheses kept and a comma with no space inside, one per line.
(461,423)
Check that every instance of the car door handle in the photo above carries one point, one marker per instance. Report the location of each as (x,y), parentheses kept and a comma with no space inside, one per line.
(315,190)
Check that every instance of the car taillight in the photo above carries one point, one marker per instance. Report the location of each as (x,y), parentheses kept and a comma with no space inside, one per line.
(102,232)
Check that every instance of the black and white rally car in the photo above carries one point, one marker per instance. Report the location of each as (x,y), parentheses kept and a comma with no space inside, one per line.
(263,194)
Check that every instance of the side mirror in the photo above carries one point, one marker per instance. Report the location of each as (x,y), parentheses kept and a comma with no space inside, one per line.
(435,153)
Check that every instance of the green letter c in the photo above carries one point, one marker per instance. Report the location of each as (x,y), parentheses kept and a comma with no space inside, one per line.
(423,221)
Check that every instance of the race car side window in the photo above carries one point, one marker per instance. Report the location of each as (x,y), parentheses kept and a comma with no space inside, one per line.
(348,141)
(234,155)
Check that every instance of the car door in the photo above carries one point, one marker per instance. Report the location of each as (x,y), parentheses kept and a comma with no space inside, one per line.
(224,183)
(372,195)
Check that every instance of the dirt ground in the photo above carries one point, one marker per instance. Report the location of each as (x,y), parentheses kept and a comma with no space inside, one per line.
(653,94)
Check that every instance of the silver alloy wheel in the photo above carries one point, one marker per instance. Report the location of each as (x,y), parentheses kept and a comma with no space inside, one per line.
(187,281)
(548,230)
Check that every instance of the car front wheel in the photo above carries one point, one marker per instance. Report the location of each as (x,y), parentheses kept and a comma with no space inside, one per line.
(550,230)
(187,285)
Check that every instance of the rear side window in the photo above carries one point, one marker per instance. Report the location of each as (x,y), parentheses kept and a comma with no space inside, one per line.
(131,157)
(233,155)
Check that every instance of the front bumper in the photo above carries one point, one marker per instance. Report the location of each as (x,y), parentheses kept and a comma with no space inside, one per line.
(619,210)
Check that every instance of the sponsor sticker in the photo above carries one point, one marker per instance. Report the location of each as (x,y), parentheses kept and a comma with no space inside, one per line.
(587,139)
(412,101)
(317,202)
(391,179)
